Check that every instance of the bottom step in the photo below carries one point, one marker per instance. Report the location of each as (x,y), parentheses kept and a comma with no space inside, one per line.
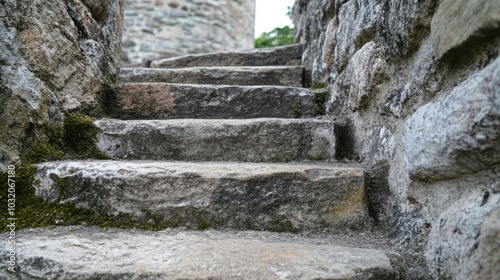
(91,253)
(275,197)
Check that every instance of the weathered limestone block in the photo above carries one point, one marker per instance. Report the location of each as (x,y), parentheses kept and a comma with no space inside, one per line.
(355,87)
(55,56)
(264,75)
(460,132)
(403,24)
(174,101)
(368,71)
(465,240)
(357,26)
(88,253)
(461,23)
(278,197)
(309,19)
(254,140)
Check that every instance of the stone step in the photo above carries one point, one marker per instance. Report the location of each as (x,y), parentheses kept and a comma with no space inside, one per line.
(275,197)
(174,101)
(244,76)
(249,140)
(257,57)
(91,253)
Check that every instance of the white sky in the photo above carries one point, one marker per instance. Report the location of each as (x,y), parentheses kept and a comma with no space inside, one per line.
(270,14)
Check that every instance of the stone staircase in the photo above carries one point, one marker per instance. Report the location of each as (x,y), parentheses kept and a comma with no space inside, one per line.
(228,142)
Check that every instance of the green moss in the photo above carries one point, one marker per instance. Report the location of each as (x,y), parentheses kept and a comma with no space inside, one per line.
(284,226)
(321,97)
(107,100)
(203,225)
(42,152)
(318,86)
(295,111)
(34,212)
(76,139)
(79,135)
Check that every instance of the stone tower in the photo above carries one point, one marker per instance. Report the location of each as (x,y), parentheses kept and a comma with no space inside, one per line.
(165,28)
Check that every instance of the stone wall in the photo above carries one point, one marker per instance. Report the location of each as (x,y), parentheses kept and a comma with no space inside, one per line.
(55,56)
(414,86)
(165,28)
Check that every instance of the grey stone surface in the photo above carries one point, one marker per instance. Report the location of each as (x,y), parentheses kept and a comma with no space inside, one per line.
(403,24)
(460,132)
(174,101)
(357,26)
(355,88)
(80,253)
(255,140)
(55,56)
(256,57)
(276,197)
(392,75)
(266,75)
(461,23)
(464,242)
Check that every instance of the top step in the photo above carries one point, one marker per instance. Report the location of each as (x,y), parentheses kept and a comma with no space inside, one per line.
(256,57)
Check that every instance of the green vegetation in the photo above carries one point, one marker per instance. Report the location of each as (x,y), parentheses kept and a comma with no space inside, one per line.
(32,211)
(80,135)
(280,36)
(75,140)
(321,94)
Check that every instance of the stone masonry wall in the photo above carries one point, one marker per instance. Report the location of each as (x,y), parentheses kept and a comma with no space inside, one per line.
(55,57)
(414,87)
(165,28)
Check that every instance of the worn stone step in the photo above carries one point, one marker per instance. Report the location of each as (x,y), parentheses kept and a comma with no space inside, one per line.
(276,197)
(173,101)
(257,57)
(244,76)
(92,253)
(249,140)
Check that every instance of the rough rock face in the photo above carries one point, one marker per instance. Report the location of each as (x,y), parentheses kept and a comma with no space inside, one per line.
(278,197)
(414,86)
(55,57)
(459,132)
(450,34)
(465,243)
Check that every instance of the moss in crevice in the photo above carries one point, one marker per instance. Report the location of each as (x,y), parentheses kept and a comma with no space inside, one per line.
(34,212)
(284,226)
(76,139)
(318,86)
(108,100)
(321,97)
(80,136)
(42,152)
